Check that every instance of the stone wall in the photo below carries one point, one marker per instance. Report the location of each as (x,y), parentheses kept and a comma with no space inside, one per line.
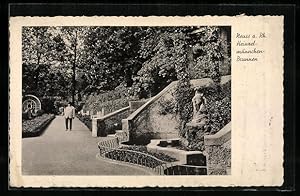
(102,126)
(218,152)
(150,124)
(134,105)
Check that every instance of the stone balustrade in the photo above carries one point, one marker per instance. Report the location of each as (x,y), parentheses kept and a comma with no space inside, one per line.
(100,125)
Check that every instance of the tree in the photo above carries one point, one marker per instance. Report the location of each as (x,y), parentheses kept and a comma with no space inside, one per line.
(99,59)
(36,54)
(73,39)
(210,50)
(112,56)
(166,57)
(42,50)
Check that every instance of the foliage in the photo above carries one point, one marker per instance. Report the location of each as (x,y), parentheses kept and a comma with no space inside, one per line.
(48,105)
(39,112)
(114,122)
(210,51)
(109,106)
(86,119)
(169,47)
(107,96)
(63,61)
(40,52)
(133,156)
(141,138)
(111,52)
(166,106)
(36,125)
(184,108)
(143,149)
(219,107)
(25,116)
(219,114)
(110,101)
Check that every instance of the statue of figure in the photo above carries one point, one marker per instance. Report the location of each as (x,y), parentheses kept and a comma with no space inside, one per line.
(199,109)
(199,124)
(199,102)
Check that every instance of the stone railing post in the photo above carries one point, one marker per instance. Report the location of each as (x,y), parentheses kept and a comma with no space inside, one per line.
(126,127)
(94,127)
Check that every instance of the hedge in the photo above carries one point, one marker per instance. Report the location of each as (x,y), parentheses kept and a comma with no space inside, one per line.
(86,119)
(36,126)
(109,106)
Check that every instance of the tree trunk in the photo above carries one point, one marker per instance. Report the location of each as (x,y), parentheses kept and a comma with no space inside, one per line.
(37,70)
(74,70)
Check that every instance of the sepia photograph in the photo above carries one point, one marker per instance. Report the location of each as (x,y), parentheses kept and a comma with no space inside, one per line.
(157,101)
(126,100)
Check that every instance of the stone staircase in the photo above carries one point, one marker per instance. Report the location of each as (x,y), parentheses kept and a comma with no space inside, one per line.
(143,115)
(100,123)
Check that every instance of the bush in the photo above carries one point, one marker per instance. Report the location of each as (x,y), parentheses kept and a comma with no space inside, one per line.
(219,112)
(35,126)
(111,106)
(93,99)
(175,143)
(39,113)
(219,107)
(114,123)
(166,106)
(86,119)
(184,107)
(48,105)
(141,138)
(25,116)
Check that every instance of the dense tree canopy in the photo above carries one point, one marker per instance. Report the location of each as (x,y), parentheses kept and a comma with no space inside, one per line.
(64,61)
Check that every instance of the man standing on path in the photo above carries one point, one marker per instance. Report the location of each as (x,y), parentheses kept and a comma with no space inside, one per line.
(69,113)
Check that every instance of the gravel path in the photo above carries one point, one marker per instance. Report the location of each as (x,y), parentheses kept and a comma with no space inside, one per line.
(60,152)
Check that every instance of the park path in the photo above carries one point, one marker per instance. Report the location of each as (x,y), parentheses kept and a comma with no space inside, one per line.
(60,152)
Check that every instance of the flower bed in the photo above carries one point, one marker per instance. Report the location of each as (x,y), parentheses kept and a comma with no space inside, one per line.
(135,155)
(143,149)
(35,126)
(132,157)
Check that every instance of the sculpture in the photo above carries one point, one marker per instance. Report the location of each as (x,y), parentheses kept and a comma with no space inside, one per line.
(199,110)
(198,125)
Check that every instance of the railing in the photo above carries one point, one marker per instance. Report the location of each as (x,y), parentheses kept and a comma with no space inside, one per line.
(104,124)
(110,149)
